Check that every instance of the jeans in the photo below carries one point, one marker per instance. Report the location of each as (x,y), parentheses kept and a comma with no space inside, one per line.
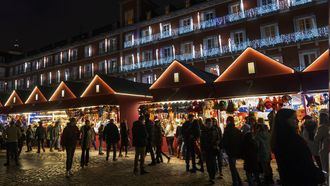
(234,173)
(160,153)
(210,159)
(114,146)
(190,153)
(29,144)
(41,143)
(219,157)
(12,149)
(69,156)
(140,153)
(152,153)
(84,156)
(169,141)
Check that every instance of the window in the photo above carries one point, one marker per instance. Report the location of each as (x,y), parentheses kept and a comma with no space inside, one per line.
(97,88)
(88,70)
(251,68)
(213,69)
(166,30)
(102,47)
(37,97)
(269,31)
(176,77)
(73,54)
(129,17)
(210,43)
(238,37)
(306,58)
(147,55)
(66,74)
(75,73)
(278,58)
(186,48)
(265,2)
(42,79)
(166,52)
(57,59)
(234,8)
(129,40)
(58,76)
(113,44)
(112,65)
(128,60)
(148,78)
(62,93)
(88,51)
(208,15)
(146,34)
(65,56)
(102,66)
(28,82)
(305,23)
(186,25)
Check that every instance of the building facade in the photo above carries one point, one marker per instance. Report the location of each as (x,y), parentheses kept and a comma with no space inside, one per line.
(208,34)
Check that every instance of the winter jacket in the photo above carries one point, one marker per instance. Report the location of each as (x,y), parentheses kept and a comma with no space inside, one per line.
(263,142)
(295,163)
(86,136)
(158,134)
(57,131)
(232,141)
(322,139)
(111,133)
(101,130)
(190,131)
(250,153)
(13,134)
(70,136)
(50,132)
(150,127)
(210,140)
(140,134)
(313,147)
(124,133)
(40,133)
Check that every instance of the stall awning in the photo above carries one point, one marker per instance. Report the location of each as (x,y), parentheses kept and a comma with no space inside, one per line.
(181,81)
(68,90)
(253,73)
(315,77)
(39,94)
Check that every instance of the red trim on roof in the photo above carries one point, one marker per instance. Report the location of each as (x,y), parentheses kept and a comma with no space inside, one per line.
(104,88)
(56,96)
(321,63)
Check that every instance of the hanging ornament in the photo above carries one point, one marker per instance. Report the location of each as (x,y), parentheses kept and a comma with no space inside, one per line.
(261,105)
(268,103)
(231,108)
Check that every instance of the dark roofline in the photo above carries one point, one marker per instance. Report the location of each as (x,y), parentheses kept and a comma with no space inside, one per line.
(206,76)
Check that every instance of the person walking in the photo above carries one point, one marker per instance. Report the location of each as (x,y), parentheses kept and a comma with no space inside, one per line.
(57,135)
(178,135)
(293,157)
(111,136)
(93,137)
(219,156)
(124,142)
(250,157)
(40,136)
(169,133)
(322,138)
(190,133)
(29,137)
(308,133)
(140,140)
(86,140)
(69,139)
(150,127)
(12,135)
(210,140)
(262,137)
(232,143)
(22,138)
(158,142)
(100,132)
(51,136)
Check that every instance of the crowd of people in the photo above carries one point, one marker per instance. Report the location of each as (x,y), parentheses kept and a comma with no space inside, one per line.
(301,152)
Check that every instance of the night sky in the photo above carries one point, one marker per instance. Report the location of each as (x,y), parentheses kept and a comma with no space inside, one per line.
(37,23)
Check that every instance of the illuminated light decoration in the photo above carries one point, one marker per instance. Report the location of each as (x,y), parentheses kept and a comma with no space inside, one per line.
(259,58)
(64,91)
(176,77)
(161,30)
(13,99)
(201,50)
(173,65)
(92,69)
(97,88)
(80,71)
(106,66)
(135,95)
(321,63)
(41,79)
(27,83)
(173,50)
(66,75)
(138,59)
(97,79)
(220,44)
(89,51)
(198,20)
(69,57)
(61,57)
(251,68)
(25,66)
(50,77)
(133,61)
(58,76)
(157,57)
(121,63)
(106,45)
(37,95)
(193,51)
(242,7)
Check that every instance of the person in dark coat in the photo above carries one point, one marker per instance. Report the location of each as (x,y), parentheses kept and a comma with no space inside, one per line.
(158,142)
(86,141)
(150,127)
(29,137)
(178,135)
(111,137)
(190,133)
(293,157)
(40,136)
(100,132)
(124,136)
(12,135)
(22,138)
(219,155)
(210,146)
(51,137)
(250,157)
(140,140)
(69,139)
(232,140)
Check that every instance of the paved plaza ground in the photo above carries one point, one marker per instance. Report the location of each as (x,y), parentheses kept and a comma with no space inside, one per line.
(49,169)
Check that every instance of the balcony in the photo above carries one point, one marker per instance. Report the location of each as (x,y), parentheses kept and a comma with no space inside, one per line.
(186,57)
(128,44)
(165,34)
(208,23)
(145,39)
(186,29)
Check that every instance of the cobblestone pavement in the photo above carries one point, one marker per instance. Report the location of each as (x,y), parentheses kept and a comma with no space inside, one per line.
(49,169)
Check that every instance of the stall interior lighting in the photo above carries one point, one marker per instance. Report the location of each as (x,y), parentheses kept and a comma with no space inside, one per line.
(37,96)
(251,68)
(176,77)
(97,88)
(62,93)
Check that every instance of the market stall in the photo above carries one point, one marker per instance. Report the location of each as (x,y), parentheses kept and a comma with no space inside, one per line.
(254,85)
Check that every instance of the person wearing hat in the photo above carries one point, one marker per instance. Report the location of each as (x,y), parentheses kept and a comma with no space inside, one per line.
(69,141)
